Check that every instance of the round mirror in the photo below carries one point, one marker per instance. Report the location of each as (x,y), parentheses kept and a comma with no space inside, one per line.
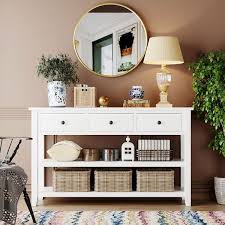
(110,40)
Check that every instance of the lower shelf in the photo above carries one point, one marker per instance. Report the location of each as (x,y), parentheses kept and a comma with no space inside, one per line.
(48,192)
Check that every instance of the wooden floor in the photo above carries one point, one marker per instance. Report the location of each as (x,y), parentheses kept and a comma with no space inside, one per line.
(121,204)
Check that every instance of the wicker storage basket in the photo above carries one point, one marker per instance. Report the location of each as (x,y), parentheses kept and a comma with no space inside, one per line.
(155,181)
(154,155)
(71,180)
(113,180)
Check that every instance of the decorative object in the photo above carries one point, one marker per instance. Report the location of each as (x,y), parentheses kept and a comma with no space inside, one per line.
(103,101)
(136,103)
(64,151)
(84,96)
(136,93)
(145,144)
(110,154)
(123,217)
(59,71)
(154,150)
(127,150)
(113,47)
(154,155)
(127,52)
(71,180)
(219,183)
(155,180)
(56,94)
(91,154)
(115,121)
(113,180)
(209,86)
(163,50)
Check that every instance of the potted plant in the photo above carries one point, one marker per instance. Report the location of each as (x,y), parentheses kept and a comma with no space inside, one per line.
(60,71)
(209,102)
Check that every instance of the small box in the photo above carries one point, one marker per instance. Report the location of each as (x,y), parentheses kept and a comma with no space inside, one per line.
(84,97)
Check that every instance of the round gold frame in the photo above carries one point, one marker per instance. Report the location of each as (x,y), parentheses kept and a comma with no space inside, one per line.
(74,41)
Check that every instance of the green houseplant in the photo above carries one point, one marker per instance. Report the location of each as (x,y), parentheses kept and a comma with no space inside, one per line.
(209,86)
(60,71)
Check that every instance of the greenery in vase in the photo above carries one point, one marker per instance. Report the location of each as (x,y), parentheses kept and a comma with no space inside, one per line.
(58,68)
(209,87)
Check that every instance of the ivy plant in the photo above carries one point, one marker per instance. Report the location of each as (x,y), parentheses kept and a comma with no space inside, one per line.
(209,86)
(58,68)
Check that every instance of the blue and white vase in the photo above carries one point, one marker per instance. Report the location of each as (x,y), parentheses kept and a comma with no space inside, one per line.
(56,94)
(136,93)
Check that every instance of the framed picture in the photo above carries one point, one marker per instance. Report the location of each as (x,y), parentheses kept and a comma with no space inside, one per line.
(127,48)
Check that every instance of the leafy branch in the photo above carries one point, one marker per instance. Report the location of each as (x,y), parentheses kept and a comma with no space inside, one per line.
(58,68)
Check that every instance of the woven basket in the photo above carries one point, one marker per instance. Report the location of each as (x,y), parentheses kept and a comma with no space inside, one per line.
(71,180)
(155,181)
(113,180)
(154,155)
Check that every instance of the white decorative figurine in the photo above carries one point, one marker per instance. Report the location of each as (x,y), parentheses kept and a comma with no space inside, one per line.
(127,150)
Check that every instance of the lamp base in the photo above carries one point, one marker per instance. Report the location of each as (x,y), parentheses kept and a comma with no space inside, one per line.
(163,101)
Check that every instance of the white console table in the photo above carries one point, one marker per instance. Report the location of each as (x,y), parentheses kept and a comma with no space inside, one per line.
(110,121)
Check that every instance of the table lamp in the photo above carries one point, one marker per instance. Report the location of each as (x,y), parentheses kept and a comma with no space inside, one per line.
(163,51)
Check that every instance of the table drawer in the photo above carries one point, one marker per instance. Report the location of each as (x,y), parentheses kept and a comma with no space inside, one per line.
(111,122)
(159,122)
(63,122)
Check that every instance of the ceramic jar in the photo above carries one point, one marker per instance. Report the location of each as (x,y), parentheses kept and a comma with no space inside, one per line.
(136,93)
(56,94)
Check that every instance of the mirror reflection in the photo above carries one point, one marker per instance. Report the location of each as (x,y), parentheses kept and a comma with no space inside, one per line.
(110,40)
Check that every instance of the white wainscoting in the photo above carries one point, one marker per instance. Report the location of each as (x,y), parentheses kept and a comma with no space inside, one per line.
(17,122)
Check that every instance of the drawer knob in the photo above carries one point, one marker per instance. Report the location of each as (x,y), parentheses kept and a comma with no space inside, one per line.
(159,122)
(63,122)
(110,122)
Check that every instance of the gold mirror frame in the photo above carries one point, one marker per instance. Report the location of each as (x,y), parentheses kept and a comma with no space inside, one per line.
(77,54)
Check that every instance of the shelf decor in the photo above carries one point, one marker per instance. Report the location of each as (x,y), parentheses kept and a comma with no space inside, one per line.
(71,180)
(155,180)
(60,71)
(84,96)
(163,50)
(127,150)
(113,180)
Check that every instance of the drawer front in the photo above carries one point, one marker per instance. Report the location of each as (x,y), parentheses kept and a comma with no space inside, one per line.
(63,122)
(111,122)
(159,122)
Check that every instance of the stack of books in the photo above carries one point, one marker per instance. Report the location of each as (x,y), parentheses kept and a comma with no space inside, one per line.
(154,150)
(136,103)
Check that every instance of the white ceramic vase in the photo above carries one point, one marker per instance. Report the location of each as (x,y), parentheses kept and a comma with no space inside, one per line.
(219,184)
(56,94)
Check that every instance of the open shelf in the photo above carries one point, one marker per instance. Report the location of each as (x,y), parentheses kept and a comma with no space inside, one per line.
(173,163)
(48,192)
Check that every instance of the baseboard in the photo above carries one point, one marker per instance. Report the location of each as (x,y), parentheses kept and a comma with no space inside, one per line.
(203,191)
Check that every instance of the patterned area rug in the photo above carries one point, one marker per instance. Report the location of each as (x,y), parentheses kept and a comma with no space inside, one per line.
(123,218)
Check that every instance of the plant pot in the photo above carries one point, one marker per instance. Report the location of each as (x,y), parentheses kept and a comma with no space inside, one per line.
(219,185)
(56,94)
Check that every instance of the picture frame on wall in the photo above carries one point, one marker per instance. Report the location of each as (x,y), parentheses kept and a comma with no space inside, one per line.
(127,48)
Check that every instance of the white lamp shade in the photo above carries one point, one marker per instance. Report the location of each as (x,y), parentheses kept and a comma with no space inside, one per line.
(163,50)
